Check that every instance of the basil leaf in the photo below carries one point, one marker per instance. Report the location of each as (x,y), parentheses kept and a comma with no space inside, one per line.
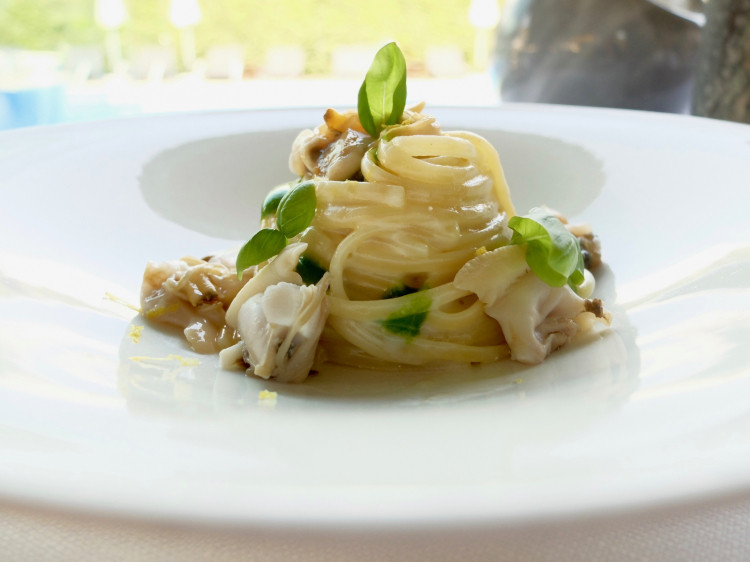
(407,321)
(553,253)
(297,209)
(576,278)
(310,271)
(266,244)
(274,197)
(363,108)
(382,96)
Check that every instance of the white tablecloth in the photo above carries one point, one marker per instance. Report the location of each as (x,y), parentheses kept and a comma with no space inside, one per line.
(718,531)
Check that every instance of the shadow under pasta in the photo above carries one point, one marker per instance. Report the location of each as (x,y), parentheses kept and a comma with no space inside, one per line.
(599,361)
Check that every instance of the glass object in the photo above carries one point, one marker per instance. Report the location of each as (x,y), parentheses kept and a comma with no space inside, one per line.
(723,78)
(632,54)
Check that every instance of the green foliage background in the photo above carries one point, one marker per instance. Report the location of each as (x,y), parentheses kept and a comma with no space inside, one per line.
(316,25)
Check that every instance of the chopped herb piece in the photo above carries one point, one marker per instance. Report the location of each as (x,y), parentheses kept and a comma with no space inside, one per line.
(310,270)
(398,290)
(407,321)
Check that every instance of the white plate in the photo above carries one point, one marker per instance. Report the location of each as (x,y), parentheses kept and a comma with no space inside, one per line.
(655,410)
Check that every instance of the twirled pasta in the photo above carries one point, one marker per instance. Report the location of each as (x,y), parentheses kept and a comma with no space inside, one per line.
(426,204)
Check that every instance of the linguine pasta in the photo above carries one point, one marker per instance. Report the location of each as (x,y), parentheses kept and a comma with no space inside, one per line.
(437,204)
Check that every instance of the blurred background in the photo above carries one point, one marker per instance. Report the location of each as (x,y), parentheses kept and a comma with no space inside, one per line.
(82,60)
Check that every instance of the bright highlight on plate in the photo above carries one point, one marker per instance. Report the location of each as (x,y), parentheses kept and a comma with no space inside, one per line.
(398,244)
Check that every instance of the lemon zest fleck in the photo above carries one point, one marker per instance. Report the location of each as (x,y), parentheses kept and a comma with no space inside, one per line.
(266,395)
(184,361)
(187,361)
(159,310)
(480,251)
(519,381)
(123,302)
(135,333)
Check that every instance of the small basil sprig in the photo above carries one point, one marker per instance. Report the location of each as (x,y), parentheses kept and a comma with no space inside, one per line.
(295,210)
(382,97)
(266,243)
(553,253)
(274,197)
(310,270)
(407,321)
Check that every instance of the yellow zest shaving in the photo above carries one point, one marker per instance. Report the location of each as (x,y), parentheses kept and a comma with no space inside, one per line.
(267,395)
(185,362)
(123,302)
(519,381)
(480,251)
(189,362)
(159,310)
(135,333)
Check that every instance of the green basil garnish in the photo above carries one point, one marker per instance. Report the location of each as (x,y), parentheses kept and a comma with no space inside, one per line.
(310,270)
(398,290)
(553,253)
(294,205)
(382,97)
(296,209)
(271,203)
(266,244)
(407,321)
